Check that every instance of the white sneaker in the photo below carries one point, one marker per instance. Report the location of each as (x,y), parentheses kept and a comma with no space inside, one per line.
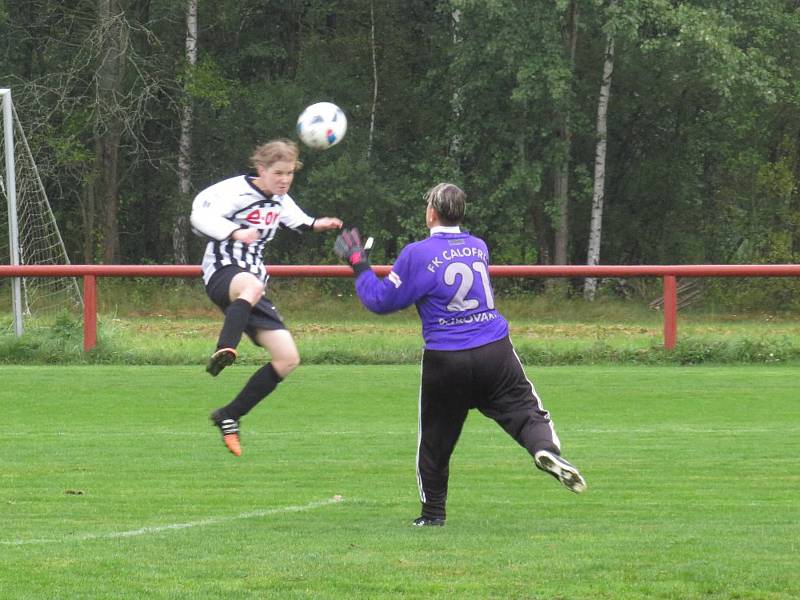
(559,468)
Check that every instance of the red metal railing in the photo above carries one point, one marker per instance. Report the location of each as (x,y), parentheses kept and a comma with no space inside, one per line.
(669,274)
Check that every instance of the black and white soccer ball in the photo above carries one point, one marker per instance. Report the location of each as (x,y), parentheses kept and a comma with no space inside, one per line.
(322,125)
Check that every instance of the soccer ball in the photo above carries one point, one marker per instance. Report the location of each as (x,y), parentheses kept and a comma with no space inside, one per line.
(321,125)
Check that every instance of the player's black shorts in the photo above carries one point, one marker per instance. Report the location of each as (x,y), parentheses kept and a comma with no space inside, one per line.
(489,378)
(264,314)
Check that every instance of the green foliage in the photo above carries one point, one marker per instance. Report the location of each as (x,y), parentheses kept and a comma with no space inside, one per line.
(769,295)
(60,342)
(702,148)
(206,81)
(67,326)
(69,151)
(713,161)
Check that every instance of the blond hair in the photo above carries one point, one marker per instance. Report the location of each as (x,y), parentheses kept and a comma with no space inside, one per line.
(268,154)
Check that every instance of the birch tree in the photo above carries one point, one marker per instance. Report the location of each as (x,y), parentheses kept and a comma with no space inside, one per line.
(374,55)
(185,144)
(598,193)
(456,103)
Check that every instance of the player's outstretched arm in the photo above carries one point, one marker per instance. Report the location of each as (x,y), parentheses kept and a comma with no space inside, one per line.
(380,296)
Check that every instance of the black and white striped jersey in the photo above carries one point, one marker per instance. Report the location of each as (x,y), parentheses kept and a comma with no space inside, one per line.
(237,203)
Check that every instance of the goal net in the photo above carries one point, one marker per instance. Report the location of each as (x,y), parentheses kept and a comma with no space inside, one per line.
(29,234)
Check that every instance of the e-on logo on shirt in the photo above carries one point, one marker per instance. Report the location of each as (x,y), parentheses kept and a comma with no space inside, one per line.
(261,217)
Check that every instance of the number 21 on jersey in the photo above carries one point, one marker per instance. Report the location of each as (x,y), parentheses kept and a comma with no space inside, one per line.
(461,275)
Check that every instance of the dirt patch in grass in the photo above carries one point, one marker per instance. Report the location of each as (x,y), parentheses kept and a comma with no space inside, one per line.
(582,330)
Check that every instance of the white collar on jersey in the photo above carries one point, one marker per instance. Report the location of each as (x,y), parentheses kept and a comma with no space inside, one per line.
(444,229)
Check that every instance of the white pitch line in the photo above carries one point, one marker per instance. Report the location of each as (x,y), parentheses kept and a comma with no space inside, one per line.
(174,526)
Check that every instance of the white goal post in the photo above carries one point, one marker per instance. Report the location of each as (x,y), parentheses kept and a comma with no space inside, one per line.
(11,195)
(33,235)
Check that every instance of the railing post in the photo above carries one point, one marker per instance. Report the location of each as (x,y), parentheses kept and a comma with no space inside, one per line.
(89,312)
(670,311)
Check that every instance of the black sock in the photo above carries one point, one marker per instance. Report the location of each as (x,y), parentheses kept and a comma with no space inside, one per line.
(236,316)
(256,389)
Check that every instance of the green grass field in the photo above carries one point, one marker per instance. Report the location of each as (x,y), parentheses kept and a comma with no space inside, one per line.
(114,485)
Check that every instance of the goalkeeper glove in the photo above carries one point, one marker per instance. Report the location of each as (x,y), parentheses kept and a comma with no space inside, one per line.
(348,247)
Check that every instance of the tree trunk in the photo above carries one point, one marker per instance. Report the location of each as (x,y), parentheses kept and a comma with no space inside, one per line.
(456,102)
(561,177)
(108,125)
(596,226)
(374,49)
(180,225)
(88,205)
(542,228)
(107,153)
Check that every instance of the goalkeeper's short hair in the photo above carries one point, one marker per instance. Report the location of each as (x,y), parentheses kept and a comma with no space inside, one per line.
(449,201)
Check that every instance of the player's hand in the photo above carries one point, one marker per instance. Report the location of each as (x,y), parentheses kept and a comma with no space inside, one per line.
(327,223)
(348,247)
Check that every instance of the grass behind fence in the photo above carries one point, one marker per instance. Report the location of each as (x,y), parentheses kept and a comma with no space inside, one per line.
(172,322)
(113,485)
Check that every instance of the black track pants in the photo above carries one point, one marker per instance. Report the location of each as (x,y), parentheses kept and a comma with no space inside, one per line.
(489,378)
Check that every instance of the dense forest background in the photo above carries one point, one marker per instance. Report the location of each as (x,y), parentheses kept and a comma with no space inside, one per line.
(639,131)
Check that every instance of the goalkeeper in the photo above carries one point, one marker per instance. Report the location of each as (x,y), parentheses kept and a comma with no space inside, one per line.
(468,360)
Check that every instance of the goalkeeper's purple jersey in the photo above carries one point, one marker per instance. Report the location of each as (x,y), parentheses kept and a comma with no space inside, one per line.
(447,277)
